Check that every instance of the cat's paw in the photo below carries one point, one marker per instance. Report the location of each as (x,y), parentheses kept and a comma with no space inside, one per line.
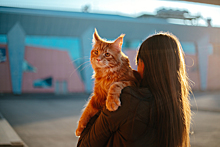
(113,102)
(79,130)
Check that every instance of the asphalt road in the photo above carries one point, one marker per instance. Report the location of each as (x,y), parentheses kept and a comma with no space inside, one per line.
(48,120)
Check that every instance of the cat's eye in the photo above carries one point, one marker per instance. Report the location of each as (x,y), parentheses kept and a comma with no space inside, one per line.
(96,52)
(107,54)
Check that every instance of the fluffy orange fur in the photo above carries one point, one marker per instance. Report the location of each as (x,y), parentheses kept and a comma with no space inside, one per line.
(112,72)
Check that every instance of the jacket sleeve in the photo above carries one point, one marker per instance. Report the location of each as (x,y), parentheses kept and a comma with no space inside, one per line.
(97,132)
(102,127)
(120,127)
(105,125)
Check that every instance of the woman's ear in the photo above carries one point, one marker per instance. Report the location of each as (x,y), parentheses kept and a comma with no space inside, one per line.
(140,67)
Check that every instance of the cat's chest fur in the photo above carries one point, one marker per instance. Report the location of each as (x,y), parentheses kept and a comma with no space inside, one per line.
(104,82)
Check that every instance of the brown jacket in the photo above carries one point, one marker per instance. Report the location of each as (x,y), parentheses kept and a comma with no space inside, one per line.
(132,125)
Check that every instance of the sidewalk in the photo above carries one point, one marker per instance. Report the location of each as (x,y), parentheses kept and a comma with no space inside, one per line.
(44,120)
(205,126)
(206,101)
(48,120)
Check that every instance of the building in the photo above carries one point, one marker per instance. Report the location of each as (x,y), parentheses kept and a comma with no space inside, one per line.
(48,51)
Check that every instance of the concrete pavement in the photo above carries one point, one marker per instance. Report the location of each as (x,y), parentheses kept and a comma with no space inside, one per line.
(205,119)
(48,120)
(44,120)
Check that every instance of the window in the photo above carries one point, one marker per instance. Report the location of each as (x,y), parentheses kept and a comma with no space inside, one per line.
(43,83)
(2,55)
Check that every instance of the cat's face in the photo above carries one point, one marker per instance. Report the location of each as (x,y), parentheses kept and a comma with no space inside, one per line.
(103,55)
(106,54)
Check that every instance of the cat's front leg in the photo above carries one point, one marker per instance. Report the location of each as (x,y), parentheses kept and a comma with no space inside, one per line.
(89,111)
(113,100)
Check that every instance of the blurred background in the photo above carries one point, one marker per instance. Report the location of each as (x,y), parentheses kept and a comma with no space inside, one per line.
(45,48)
(45,45)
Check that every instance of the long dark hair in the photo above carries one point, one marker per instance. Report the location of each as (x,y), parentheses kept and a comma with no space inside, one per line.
(166,77)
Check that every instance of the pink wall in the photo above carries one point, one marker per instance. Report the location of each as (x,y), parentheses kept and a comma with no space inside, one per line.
(213,79)
(54,63)
(191,67)
(5,78)
(57,64)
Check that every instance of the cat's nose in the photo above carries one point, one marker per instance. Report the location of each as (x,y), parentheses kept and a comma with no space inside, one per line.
(98,60)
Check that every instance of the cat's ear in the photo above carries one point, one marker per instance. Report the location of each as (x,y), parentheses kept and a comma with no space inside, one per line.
(118,42)
(96,37)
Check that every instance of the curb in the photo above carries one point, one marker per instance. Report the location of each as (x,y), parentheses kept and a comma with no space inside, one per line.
(8,137)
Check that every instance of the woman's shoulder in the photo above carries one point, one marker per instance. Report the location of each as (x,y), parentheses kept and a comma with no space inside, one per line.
(135,104)
(132,98)
(138,102)
(139,93)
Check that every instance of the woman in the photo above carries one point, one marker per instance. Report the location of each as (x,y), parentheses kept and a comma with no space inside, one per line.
(156,114)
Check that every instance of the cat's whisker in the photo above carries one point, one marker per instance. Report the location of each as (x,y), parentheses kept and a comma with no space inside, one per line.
(78,68)
(84,67)
(86,57)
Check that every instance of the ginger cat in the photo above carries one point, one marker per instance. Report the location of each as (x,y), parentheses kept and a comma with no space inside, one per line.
(112,72)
